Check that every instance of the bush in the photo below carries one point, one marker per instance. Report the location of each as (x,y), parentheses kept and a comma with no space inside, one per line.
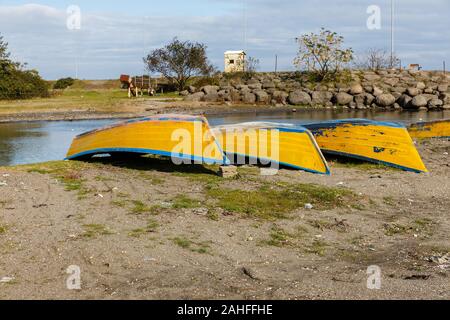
(19,84)
(63,83)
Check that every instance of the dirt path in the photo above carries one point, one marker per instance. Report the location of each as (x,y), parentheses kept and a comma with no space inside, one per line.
(149,230)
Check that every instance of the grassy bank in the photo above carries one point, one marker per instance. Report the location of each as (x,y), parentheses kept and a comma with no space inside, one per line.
(100,96)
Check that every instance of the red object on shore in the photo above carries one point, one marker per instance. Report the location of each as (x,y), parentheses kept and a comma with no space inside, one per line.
(124,78)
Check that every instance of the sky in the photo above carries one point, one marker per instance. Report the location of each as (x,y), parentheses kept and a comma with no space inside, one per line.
(115,35)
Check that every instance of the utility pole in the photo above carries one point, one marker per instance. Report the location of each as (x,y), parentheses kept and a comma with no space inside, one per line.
(443,63)
(392,34)
(276,63)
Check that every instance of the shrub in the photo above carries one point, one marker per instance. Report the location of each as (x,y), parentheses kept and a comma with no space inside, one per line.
(63,83)
(17,83)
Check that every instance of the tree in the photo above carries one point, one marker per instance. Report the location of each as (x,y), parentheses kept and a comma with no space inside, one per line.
(179,61)
(15,82)
(322,54)
(376,59)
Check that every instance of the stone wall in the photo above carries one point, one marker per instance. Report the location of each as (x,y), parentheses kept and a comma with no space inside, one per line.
(392,89)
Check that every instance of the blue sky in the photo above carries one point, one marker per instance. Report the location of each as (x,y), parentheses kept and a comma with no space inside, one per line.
(115,35)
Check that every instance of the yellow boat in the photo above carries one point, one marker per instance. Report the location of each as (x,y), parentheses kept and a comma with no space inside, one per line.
(274,144)
(185,139)
(380,142)
(427,130)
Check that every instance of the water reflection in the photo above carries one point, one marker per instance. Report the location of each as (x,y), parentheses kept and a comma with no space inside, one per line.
(23,143)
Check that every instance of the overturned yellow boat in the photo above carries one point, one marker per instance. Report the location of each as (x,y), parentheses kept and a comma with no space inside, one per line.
(185,139)
(427,130)
(380,142)
(272,144)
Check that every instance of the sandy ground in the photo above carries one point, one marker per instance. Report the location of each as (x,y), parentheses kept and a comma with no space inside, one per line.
(144,229)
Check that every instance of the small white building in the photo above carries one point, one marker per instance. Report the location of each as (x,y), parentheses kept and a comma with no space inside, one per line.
(235,61)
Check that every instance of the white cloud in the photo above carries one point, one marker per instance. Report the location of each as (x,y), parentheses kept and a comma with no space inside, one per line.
(110,44)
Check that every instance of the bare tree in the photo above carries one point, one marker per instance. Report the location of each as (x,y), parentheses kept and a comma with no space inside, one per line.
(376,59)
(179,61)
(322,53)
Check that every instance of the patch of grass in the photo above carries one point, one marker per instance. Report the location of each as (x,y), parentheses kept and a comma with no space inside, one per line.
(3,229)
(418,226)
(202,247)
(151,227)
(3,203)
(153,180)
(318,247)
(119,203)
(358,206)
(393,229)
(140,207)
(184,202)
(276,202)
(95,230)
(389,201)
(281,238)
(212,215)
(278,237)
(104,179)
(202,174)
(320,224)
(182,242)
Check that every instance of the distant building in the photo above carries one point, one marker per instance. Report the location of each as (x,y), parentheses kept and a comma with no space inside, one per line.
(235,61)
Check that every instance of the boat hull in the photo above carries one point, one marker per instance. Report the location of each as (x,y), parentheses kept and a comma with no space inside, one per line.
(273,144)
(433,129)
(379,142)
(186,138)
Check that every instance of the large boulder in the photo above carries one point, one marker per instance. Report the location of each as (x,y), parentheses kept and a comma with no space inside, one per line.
(253,81)
(445,97)
(280,97)
(391,81)
(321,98)
(404,101)
(369,99)
(356,89)
(184,93)
(377,91)
(343,99)
(419,101)
(195,97)
(400,90)
(262,96)
(442,88)
(371,77)
(211,97)
(267,84)
(413,92)
(421,85)
(386,100)
(210,89)
(299,98)
(435,104)
(255,86)
(192,89)
(249,97)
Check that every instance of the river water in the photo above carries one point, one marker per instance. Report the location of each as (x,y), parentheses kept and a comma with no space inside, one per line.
(34,142)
